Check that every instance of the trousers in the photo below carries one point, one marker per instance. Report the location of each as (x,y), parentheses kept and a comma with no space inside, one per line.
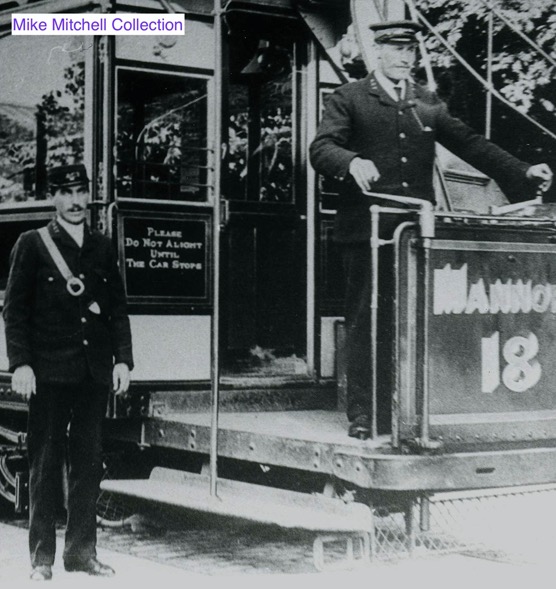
(356,259)
(64,425)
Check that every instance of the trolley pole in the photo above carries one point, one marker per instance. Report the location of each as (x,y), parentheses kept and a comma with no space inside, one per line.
(215,332)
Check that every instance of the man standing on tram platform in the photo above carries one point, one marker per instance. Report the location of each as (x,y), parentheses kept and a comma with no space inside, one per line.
(68,341)
(378,134)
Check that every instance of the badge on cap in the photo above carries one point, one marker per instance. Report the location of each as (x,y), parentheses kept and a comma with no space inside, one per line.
(64,176)
(399,32)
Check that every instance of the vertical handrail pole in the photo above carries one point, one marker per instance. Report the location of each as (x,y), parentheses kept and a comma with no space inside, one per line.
(375,244)
(425,432)
(427,230)
(108,120)
(488,115)
(311,105)
(215,324)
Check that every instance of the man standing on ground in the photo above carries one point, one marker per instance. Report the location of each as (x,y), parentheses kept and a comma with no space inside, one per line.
(68,340)
(379,134)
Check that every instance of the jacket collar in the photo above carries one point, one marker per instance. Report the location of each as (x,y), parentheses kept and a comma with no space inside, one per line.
(377,90)
(62,237)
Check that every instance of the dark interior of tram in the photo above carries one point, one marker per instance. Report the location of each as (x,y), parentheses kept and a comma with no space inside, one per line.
(264,251)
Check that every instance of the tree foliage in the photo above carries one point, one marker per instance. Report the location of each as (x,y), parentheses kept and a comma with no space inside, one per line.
(63,112)
(62,115)
(520,73)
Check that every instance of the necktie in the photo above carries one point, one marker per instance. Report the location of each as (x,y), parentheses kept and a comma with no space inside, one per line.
(398,90)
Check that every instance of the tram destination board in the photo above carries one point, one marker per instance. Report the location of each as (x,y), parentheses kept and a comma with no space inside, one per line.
(165,258)
(492,329)
(491,341)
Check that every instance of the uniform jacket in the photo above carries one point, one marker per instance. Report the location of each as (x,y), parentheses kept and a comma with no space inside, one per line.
(361,119)
(56,333)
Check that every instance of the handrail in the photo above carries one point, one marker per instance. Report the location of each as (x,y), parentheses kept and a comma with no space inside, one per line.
(477,76)
(517,206)
(516,30)
(426,209)
(218,15)
(427,229)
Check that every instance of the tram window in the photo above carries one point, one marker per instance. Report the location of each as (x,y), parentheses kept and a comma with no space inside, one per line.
(41,112)
(161,136)
(260,162)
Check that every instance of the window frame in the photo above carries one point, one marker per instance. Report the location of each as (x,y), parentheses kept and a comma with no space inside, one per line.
(183,73)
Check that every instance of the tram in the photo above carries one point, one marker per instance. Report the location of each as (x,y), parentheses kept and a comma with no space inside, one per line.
(196,146)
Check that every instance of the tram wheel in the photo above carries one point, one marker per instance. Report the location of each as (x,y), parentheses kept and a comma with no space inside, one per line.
(112,510)
(12,462)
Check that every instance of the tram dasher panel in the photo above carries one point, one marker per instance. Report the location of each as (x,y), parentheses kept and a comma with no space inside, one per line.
(491,335)
(263,304)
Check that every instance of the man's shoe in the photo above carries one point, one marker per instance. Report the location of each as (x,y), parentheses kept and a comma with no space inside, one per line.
(360,427)
(91,566)
(41,572)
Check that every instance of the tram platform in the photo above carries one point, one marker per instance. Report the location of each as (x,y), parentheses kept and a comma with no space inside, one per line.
(316,441)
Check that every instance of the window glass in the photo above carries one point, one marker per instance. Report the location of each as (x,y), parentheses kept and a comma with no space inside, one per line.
(41,112)
(161,141)
(276,163)
(260,162)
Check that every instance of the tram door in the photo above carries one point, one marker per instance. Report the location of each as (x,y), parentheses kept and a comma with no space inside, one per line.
(264,240)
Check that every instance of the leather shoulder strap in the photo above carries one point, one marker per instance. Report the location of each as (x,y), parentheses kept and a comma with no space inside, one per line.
(55,254)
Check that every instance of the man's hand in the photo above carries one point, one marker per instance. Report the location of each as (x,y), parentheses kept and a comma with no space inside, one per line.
(364,172)
(23,381)
(120,378)
(542,175)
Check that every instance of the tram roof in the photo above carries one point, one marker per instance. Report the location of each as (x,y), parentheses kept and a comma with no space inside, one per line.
(7,7)
(194,9)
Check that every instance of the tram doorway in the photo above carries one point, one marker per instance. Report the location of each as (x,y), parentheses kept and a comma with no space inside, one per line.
(264,251)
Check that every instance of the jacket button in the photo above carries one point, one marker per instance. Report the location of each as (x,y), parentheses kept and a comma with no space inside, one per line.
(403,135)
(405,184)
(85,342)
(404,159)
(400,112)
(50,279)
(82,276)
(83,320)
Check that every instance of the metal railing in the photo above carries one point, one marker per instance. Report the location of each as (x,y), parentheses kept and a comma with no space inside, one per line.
(426,220)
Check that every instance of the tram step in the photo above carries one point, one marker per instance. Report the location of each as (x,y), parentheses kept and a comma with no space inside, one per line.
(246,501)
